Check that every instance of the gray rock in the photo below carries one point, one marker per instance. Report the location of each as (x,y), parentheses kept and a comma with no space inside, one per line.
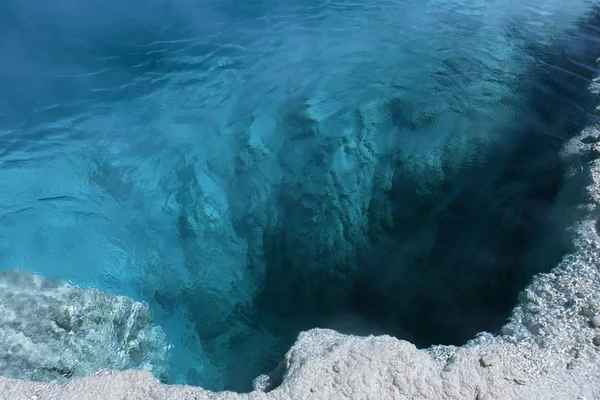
(261,383)
(50,330)
(487,360)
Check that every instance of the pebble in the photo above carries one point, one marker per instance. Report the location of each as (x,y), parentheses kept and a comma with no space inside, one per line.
(596,340)
(487,360)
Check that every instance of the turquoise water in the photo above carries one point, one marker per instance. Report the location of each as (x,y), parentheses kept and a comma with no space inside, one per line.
(251,169)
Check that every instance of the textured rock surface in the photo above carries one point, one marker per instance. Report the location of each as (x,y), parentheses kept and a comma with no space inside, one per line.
(50,330)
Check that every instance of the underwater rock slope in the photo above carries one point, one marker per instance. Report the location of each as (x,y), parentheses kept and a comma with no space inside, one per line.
(550,349)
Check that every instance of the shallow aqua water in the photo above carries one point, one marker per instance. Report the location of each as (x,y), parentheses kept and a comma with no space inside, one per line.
(251,169)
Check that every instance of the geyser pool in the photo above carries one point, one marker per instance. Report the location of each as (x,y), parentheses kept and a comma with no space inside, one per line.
(252,170)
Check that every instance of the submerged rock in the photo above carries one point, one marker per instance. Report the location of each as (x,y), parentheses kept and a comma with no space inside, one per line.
(52,331)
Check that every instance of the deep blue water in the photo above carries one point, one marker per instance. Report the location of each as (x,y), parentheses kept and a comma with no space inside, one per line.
(251,169)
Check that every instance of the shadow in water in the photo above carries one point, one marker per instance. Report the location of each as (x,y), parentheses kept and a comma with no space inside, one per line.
(455,260)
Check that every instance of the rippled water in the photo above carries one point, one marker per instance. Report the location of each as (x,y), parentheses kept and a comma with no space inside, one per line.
(255,168)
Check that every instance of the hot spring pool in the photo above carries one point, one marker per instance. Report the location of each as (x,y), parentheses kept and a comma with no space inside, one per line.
(254,169)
